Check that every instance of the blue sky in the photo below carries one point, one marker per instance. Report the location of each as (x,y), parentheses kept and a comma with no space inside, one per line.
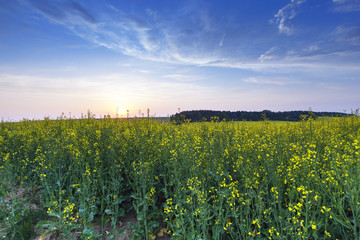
(70,56)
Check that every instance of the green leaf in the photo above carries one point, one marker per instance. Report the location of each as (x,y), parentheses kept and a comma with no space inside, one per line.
(121,212)
(119,200)
(122,232)
(110,236)
(134,196)
(81,212)
(153,224)
(109,211)
(55,215)
(139,217)
(45,224)
(91,217)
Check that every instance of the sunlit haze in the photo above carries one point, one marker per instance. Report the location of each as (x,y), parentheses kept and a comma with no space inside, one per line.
(61,56)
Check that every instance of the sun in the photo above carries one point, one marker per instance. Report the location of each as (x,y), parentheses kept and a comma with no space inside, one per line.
(120,112)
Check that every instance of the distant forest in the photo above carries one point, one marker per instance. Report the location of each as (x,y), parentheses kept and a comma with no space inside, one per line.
(209,115)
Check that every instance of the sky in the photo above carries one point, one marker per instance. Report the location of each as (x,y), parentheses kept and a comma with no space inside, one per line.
(110,56)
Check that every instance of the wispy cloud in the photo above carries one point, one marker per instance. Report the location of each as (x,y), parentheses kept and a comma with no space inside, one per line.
(312,48)
(288,63)
(63,11)
(271,80)
(348,34)
(29,84)
(284,16)
(103,85)
(222,40)
(206,22)
(267,55)
(145,71)
(330,86)
(142,37)
(152,13)
(342,46)
(183,77)
(126,33)
(346,5)
(150,37)
(324,59)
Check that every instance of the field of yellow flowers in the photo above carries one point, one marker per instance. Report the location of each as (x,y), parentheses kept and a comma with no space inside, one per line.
(211,180)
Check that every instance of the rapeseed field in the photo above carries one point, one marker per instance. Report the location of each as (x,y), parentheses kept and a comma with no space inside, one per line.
(210,180)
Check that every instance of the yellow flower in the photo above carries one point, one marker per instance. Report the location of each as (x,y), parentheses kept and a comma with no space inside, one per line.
(327,234)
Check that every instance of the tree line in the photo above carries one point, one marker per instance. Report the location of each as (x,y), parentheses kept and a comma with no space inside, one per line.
(210,115)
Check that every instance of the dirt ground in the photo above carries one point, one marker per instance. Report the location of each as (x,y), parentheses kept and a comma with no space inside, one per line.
(25,193)
(123,224)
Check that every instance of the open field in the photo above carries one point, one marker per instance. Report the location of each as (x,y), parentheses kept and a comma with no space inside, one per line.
(210,180)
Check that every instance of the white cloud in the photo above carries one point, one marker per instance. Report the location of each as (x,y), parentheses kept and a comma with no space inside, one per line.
(144,38)
(267,56)
(183,77)
(271,80)
(152,13)
(348,34)
(285,15)
(346,5)
(330,86)
(205,21)
(222,40)
(161,42)
(30,84)
(67,12)
(324,59)
(312,48)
